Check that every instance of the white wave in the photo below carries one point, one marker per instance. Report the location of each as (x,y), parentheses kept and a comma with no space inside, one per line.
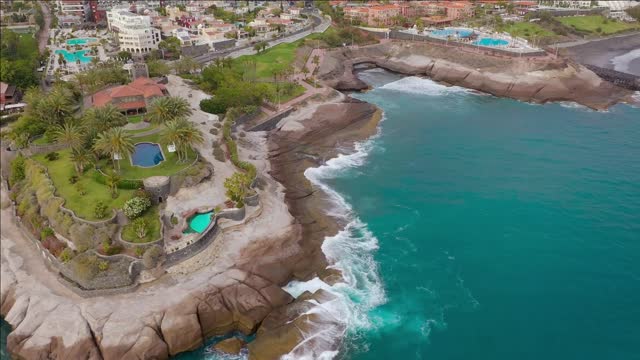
(574,105)
(422,86)
(351,252)
(622,63)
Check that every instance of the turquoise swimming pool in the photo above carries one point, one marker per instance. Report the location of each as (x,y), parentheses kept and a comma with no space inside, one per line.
(454,32)
(73,56)
(199,222)
(147,154)
(81,41)
(491,42)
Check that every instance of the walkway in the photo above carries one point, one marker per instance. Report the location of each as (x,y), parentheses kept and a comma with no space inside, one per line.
(43,35)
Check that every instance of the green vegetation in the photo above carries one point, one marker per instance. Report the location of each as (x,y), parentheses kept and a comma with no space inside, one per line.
(277,58)
(134,119)
(634,12)
(19,58)
(94,192)
(102,75)
(596,24)
(528,30)
(151,221)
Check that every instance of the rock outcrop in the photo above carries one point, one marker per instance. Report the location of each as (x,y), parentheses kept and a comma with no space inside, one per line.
(231,346)
(537,80)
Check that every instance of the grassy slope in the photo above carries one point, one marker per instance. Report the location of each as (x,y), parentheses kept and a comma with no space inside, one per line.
(153,227)
(592,22)
(83,205)
(528,30)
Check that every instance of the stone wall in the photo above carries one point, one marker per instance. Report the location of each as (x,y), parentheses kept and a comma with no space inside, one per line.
(271,123)
(194,248)
(159,187)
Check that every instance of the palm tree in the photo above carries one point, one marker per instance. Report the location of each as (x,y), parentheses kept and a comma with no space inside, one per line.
(58,106)
(168,108)
(114,142)
(104,118)
(183,134)
(69,134)
(112,179)
(81,158)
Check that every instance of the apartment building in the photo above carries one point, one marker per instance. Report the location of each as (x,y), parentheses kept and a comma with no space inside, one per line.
(99,8)
(135,32)
(74,8)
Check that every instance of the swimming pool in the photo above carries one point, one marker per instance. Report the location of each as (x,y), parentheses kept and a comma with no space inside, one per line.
(74,56)
(491,42)
(81,41)
(454,32)
(147,155)
(199,222)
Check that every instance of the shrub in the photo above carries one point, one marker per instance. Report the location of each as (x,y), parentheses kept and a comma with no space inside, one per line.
(85,266)
(142,193)
(174,220)
(151,256)
(103,265)
(73,179)
(110,249)
(100,210)
(17,170)
(66,255)
(52,156)
(139,251)
(598,29)
(45,233)
(140,227)
(135,207)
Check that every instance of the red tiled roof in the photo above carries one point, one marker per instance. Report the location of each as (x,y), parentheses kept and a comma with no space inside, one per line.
(143,87)
(131,105)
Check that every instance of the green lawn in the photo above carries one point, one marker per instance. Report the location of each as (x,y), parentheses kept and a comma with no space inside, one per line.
(297,90)
(134,119)
(152,219)
(168,167)
(138,131)
(83,205)
(529,31)
(278,57)
(592,23)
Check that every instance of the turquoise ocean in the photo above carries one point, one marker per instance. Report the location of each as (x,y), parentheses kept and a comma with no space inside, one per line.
(483,228)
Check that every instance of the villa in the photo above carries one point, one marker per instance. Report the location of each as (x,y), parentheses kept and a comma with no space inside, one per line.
(133,98)
(8,95)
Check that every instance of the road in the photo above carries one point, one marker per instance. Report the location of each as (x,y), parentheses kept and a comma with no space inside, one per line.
(321,24)
(43,35)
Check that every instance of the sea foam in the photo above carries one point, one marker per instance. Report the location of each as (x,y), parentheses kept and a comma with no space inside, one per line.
(423,86)
(350,251)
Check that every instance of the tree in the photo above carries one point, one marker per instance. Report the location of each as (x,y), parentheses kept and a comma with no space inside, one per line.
(81,158)
(171,45)
(112,179)
(70,134)
(168,108)
(183,134)
(57,106)
(236,187)
(634,12)
(124,56)
(158,68)
(114,142)
(186,65)
(104,118)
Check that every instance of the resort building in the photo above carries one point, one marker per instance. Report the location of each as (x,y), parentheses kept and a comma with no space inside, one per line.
(383,15)
(9,95)
(357,14)
(79,8)
(99,8)
(135,33)
(133,98)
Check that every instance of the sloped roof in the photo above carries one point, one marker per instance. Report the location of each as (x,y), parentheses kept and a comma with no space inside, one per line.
(141,86)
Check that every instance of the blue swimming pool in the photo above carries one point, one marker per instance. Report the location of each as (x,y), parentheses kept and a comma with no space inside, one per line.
(199,223)
(73,56)
(491,42)
(453,32)
(147,155)
(81,41)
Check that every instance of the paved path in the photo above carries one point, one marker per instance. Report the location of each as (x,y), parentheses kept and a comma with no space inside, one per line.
(322,24)
(43,35)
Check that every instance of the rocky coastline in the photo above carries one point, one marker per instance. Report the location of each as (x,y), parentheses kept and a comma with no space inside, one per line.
(238,284)
(537,80)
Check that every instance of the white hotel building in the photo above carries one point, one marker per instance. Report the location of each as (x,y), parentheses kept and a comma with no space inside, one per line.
(135,33)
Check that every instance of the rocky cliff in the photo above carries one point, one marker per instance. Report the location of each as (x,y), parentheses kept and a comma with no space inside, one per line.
(537,80)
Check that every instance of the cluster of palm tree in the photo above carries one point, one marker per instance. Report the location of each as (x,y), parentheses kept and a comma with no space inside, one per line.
(100,132)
